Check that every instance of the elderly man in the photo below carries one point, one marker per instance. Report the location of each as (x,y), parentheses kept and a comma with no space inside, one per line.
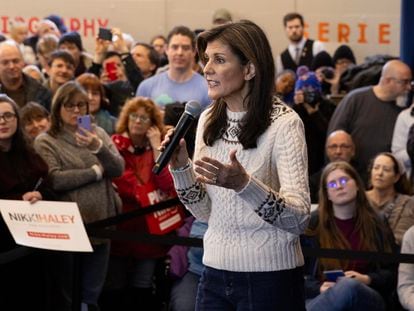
(369,113)
(14,82)
(300,50)
(339,147)
(180,82)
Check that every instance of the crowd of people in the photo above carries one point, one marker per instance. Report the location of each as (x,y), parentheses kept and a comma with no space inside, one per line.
(274,137)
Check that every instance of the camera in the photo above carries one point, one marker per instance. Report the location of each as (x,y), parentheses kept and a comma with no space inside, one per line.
(311,97)
(328,73)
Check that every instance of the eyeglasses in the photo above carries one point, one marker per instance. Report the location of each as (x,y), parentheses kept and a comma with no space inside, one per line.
(70,107)
(8,116)
(401,81)
(334,183)
(134,117)
(334,147)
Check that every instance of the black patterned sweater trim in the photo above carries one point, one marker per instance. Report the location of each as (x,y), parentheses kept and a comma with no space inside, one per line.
(271,208)
(191,195)
(231,132)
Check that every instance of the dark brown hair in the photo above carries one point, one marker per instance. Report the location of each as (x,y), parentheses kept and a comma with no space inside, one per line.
(291,16)
(91,82)
(32,111)
(249,43)
(21,150)
(403,184)
(367,222)
(63,55)
(63,95)
(184,31)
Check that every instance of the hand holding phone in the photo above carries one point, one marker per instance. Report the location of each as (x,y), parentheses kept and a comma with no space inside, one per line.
(84,122)
(105,34)
(110,68)
(333,275)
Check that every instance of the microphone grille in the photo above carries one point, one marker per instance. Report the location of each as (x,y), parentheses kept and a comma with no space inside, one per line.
(193,108)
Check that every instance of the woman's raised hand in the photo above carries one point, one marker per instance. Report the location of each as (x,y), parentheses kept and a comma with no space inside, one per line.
(180,156)
(231,175)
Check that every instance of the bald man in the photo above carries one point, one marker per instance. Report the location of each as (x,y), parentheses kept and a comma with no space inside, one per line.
(369,113)
(14,82)
(339,147)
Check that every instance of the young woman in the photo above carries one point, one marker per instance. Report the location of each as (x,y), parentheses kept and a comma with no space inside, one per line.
(389,193)
(139,132)
(35,119)
(23,176)
(251,184)
(345,220)
(81,166)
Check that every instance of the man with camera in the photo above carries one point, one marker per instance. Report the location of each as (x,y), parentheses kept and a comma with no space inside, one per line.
(315,111)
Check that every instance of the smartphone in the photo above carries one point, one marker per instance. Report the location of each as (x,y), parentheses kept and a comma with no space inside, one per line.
(105,34)
(110,68)
(85,122)
(333,275)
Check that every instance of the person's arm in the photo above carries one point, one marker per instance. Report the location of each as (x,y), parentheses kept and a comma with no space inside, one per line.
(132,71)
(288,208)
(400,137)
(63,179)
(108,155)
(101,47)
(191,192)
(406,273)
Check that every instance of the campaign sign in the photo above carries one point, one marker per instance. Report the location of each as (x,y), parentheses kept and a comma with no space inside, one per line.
(46,224)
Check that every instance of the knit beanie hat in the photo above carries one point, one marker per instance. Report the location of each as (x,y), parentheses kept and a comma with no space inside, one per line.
(58,22)
(72,37)
(343,51)
(308,81)
(322,59)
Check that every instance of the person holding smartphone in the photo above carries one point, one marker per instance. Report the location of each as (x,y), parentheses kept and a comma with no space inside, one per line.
(346,220)
(82,161)
(117,69)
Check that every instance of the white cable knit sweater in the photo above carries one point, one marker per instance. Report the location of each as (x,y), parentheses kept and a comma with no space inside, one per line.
(258,228)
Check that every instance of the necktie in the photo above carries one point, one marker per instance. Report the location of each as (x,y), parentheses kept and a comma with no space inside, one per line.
(297,55)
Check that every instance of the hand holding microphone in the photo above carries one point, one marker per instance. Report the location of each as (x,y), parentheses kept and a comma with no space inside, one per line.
(174,139)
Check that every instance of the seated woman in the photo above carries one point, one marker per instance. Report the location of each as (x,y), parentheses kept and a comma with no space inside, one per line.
(389,193)
(23,176)
(82,164)
(35,119)
(139,133)
(345,220)
(98,103)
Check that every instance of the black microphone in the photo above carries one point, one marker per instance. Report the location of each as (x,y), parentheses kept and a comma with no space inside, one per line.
(191,112)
